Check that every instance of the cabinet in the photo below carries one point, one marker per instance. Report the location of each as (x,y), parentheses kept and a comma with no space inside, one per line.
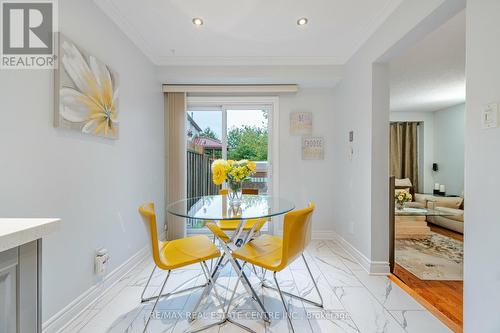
(21,273)
(8,290)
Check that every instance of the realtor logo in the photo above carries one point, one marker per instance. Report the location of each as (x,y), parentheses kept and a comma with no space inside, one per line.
(28,31)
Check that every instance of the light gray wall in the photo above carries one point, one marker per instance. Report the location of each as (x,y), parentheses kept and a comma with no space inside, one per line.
(426,145)
(482,164)
(449,150)
(95,185)
(304,181)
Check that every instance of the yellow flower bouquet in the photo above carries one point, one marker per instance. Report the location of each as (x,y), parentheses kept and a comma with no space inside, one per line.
(401,197)
(234,173)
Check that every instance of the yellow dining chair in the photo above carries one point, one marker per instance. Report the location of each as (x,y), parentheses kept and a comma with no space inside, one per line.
(174,254)
(275,253)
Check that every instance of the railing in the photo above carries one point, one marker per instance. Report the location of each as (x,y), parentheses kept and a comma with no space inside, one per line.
(199,175)
(199,181)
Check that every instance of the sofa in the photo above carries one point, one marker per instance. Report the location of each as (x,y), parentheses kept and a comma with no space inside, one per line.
(449,205)
(454,206)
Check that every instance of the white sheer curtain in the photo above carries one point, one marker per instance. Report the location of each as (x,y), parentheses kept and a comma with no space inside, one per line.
(175,136)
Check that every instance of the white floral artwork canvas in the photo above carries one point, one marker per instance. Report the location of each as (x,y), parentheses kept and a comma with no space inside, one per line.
(86,93)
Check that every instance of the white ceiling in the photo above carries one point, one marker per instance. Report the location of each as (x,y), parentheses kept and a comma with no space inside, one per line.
(248,32)
(431,76)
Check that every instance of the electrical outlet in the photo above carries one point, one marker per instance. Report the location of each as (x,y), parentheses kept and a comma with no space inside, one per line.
(101,262)
(490,116)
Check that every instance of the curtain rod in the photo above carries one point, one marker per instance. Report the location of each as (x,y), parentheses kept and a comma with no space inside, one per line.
(231,88)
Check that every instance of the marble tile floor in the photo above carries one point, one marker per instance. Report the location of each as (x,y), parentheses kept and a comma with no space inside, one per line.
(354,301)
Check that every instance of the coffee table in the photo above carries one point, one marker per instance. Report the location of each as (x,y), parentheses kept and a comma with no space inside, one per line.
(412,222)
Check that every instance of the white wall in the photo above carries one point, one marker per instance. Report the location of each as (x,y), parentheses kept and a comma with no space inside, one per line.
(426,145)
(304,181)
(482,165)
(360,200)
(95,185)
(449,149)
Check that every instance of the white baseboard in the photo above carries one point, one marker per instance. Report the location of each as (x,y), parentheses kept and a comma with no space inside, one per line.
(323,235)
(371,267)
(315,234)
(66,315)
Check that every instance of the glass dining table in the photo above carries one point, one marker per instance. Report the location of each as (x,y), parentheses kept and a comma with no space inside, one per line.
(218,208)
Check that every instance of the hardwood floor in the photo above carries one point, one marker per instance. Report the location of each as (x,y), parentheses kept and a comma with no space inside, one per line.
(445,296)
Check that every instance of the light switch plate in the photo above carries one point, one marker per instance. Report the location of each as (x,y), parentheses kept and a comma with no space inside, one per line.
(490,116)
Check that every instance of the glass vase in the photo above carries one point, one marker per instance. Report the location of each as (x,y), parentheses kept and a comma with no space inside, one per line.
(400,205)
(235,193)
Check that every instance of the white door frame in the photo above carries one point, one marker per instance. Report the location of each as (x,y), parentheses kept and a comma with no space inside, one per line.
(273,129)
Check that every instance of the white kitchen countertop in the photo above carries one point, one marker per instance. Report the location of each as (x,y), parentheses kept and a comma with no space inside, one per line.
(19,231)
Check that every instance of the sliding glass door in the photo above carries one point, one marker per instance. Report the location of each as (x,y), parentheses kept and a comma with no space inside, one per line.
(228,131)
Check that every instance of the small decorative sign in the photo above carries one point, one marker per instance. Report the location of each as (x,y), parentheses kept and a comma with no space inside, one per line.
(313,148)
(301,123)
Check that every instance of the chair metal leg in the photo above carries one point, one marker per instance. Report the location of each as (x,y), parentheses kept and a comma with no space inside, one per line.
(147,284)
(147,299)
(215,273)
(248,286)
(156,302)
(284,303)
(314,281)
(255,271)
(212,260)
(319,305)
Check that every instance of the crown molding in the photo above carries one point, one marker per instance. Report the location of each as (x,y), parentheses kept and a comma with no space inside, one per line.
(248,61)
(369,29)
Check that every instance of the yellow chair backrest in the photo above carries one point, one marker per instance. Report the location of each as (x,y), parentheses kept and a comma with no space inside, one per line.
(254,191)
(148,215)
(295,233)
(260,222)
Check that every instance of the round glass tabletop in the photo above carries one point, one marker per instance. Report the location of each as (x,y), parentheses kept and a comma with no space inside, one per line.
(217,207)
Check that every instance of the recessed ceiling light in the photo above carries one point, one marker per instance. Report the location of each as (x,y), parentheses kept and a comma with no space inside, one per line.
(302,21)
(197,21)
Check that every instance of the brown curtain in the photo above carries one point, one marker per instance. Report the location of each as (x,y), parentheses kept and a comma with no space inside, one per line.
(404,151)
(175,137)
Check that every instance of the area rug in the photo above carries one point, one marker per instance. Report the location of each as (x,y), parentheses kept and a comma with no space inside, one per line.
(434,257)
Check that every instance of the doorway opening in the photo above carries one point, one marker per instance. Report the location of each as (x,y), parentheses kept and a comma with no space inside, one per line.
(427,126)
